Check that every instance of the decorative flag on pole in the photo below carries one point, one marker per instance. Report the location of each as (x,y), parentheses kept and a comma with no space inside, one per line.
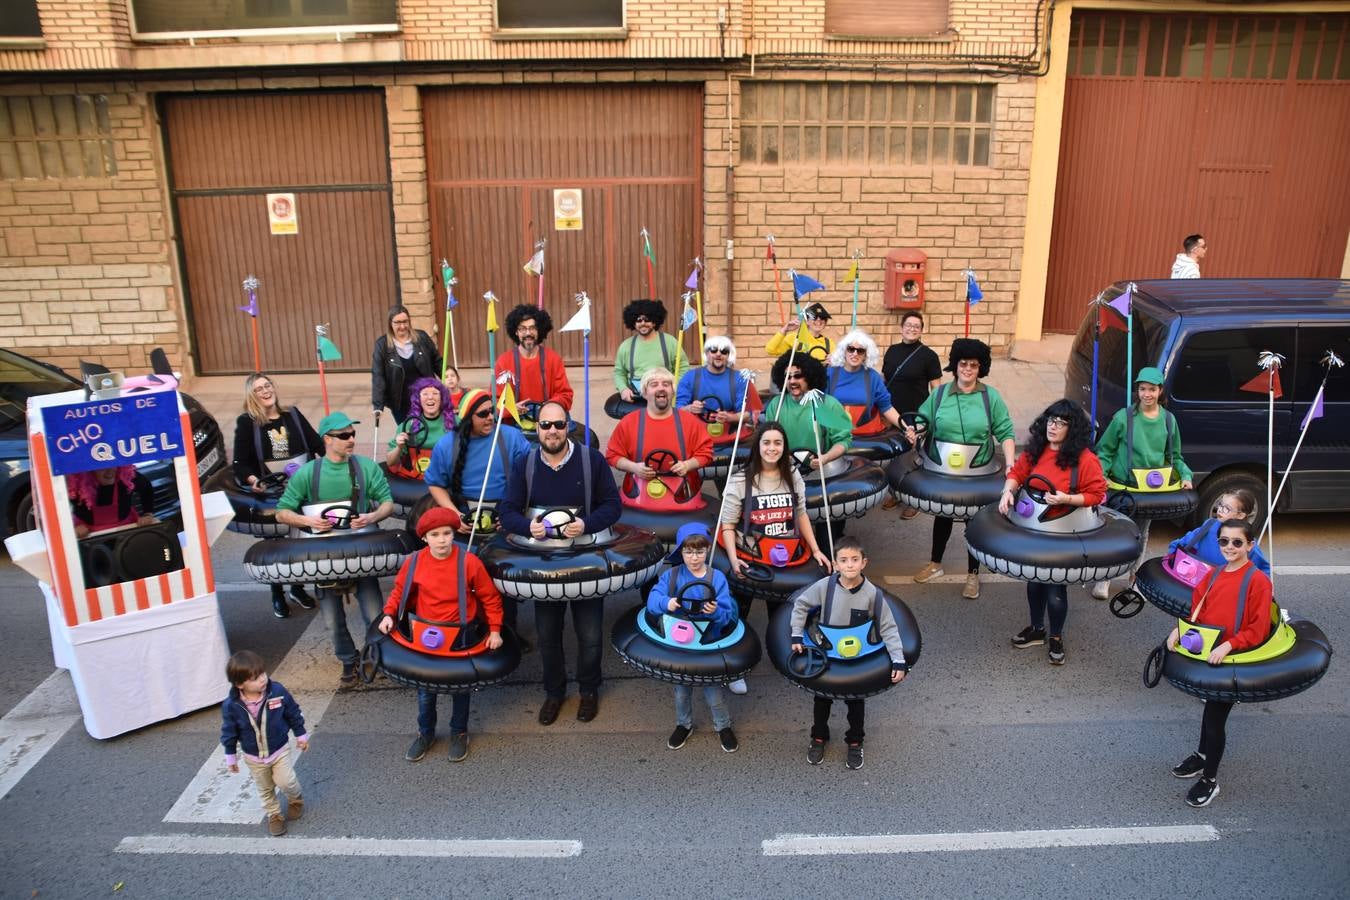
(1263,382)
(326,351)
(973,295)
(692,284)
(1124,304)
(251,286)
(687,317)
(508,400)
(772,256)
(1315,411)
(852,276)
(803,284)
(581,321)
(449,281)
(535,266)
(491,328)
(651,262)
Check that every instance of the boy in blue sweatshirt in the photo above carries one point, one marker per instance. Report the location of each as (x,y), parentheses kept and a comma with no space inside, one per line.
(257,716)
(692,543)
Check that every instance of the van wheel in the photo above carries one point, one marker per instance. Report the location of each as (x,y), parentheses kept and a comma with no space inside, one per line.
(1216,486)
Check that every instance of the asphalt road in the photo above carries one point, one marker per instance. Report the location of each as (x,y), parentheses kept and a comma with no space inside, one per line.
(982,738)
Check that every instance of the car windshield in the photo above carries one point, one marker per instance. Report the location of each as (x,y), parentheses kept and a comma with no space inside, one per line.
(21,378)
(1149,337)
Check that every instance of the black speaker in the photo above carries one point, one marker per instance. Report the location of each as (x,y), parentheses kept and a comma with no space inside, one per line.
(131,555)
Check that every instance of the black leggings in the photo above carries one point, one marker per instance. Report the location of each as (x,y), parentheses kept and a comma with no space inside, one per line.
(942,532)
(1213,735)
(1052,596)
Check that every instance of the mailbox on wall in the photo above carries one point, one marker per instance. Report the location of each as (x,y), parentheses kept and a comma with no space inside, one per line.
(905,272)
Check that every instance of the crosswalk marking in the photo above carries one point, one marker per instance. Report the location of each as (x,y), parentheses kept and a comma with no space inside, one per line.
(215,845)
(33,727)
(828,845)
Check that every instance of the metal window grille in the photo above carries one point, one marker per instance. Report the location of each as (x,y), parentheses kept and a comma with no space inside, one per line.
(56,136)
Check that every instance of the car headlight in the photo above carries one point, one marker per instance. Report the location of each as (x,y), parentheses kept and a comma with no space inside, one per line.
(200,436)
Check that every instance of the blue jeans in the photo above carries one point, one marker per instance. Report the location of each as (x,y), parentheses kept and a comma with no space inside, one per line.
(368,601)
(588,619)
(717,705)
(426,712)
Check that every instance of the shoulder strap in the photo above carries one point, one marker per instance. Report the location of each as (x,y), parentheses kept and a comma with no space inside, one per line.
(515,359)
(632,356)
(642,430)
(665,351)
(298,429)
(358,476)
(543,374)
(1205,529)
(834,380)
(1129,445)
(257,445)
(937,400)
(874,633)
(1170,421)
(828,605)
(314,480)
(531,464)
(586,475)
(698,380)
(462,583)
(1242,598)
(1073,475)
(670,582)
(407,587)
(747,502)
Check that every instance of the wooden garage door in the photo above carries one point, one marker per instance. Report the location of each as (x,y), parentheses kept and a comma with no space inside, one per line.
(226,153)
(1236,127)
(495,157)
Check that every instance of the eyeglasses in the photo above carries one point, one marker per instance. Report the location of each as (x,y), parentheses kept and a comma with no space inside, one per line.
(693,551)
(262,388)
(342,435)
(855,349)
(549,425)
(1223,507)
(1236,543)
(402,321)
(1058,421)
(911,325)
(720,351)
(968,364)
(485,414)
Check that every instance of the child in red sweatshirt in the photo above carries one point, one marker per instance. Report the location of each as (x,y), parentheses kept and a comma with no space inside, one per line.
(435,596)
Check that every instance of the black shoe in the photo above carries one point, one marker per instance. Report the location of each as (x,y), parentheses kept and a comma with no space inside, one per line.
(347,680)
(1192,766)
(1029,637)
(728,739)
(279,607)
(1202,792)
(678,737)
(588,707)
(548,713)
(459,746)
(815,753)
(1056,651)
(855,756)
(301,597)
(419,747)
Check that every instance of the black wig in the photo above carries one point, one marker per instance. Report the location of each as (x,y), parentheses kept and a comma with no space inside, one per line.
(969,348)
(1076,441)
(652,309)
(812,368)
(542,320)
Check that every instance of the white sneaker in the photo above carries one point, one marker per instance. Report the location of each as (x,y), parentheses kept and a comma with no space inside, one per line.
(738,686)
(1101,590)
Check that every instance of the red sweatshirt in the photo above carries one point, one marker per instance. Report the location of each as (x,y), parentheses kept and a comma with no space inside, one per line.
(660,435)
(529,386)
(435,595)
(1091,482)
(1221,606)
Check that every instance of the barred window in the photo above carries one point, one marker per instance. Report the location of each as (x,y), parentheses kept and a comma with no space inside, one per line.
(864,123)
(58,136)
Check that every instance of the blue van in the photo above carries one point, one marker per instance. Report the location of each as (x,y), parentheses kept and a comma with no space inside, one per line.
(1206,335)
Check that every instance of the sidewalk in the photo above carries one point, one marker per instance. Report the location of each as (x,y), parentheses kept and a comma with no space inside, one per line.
(1028,384)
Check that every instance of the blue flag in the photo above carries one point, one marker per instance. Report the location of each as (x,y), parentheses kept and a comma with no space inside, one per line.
(804,284)
(973,293)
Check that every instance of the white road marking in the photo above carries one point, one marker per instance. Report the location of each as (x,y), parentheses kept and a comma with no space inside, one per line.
(309,672)
(826,845)
(33,727)
(988,578)
(214,845)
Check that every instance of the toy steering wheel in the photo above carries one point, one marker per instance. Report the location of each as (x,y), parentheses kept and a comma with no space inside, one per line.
(757,571)
(803,459)
(273,484)
(1122,502)
(810,663)
(1038,494)
(1153,666)
(415,429)
(488,520)
(529,412)
(553,529)
(1127,604)
(340,514)
(694,603)
(712,405)
(656,457)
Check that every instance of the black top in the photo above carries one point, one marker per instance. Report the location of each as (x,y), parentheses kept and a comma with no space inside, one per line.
(391,375)
(143,493)
(275,435)
(908,370)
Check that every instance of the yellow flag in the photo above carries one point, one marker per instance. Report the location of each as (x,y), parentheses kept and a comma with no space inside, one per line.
(508,402)
(852,272)
(492,316)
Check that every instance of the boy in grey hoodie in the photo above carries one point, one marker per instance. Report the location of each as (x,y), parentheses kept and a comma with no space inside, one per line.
(853,602)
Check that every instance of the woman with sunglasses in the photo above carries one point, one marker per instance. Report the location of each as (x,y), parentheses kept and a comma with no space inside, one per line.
(268,437)
(852,379)
(1215,602)
(1059,451)
(402,355)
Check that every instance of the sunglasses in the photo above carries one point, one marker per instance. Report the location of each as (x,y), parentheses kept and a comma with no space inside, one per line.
(485,414)
(640,319)
(855,349)
(549,425)
(796,376)
(342,435)
(720,351)
(1237,543)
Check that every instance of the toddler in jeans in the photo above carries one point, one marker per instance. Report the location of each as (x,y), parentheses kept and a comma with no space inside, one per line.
(257,717)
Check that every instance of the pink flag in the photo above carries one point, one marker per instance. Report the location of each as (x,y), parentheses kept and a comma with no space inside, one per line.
(1122,303)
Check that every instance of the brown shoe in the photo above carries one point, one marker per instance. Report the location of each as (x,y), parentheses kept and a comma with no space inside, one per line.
(890,502)
(588,707)
(276,826)
(295,809)
(908,512)
(548,713)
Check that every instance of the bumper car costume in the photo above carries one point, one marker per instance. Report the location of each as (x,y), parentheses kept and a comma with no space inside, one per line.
(667,501)
(629,366)
(864,397)
(1149,493)
(256,513)
(854,486)
(946,478)
(780,560)
(719,394)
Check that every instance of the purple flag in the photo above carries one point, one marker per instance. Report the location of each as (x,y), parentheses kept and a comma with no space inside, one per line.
(692,281)
(1314,413)
(1122,303)
(252,308)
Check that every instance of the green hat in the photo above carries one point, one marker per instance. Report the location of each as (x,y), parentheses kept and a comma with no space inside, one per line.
(1149,375)
(336,421)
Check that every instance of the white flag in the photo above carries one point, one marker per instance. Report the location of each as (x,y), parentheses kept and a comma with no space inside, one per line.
(581,320)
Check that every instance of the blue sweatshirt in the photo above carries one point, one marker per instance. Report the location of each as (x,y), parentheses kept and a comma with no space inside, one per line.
(442,465)
(728,386)
(280,715)
(658,601)
(1206,539)
(861,388)
(564,487)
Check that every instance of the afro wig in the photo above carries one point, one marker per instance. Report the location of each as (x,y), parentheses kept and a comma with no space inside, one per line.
(542,320)
(652,309)
(969,348)
(810,367)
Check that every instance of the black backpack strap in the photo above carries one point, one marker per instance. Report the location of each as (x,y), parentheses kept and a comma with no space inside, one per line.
(543,374)
(670,582)
(698,381)
(358,476)
(515,358)
(1073,475)
(257,445)
(586,476)
(828,605)
(747,503)
(833,382)
(298,429)
(1170,421)
(665,351)
(1205,529)
(531,464)
(632,357)
(313,493)
(1242,598)
(874,633)
(407,587)
(462,584)
(642,431)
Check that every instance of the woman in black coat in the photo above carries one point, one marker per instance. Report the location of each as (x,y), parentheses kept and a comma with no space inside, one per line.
(402,355)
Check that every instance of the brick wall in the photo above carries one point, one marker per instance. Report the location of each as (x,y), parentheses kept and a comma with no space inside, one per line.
(79,34)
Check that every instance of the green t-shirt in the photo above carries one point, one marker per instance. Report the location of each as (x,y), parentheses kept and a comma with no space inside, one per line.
(335,484)
(835,424)
(1150,447)
(646,355)
(961,418)
(432,431)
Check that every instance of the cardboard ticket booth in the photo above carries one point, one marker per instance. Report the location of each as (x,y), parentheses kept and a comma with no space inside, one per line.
(132,609)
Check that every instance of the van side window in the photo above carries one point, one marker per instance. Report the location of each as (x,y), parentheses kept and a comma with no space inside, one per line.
(1313,344)
(1213,365)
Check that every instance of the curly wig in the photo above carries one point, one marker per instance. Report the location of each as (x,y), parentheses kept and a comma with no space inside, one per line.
(542,320)
(1076,441)
(809,366)
(969,348)
(652,309)
(415,400)
(858,338)
(83,486)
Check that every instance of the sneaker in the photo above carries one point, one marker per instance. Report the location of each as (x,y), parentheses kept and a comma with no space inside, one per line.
(276,825)
(855,756)
(459,746)
(301,597)
(347,680)
(728,739)
(1101,590)
(909,512)
(1029,637)
(1056,651)
(279,607)
(1192,766)
(815,753)
(419,747)
(738,686)
(972,589)
(1202,792)
(295,808)
(678,737)
(928,573)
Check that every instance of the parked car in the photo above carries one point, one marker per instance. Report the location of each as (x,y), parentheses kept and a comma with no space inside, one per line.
(1205,335)
(22,377)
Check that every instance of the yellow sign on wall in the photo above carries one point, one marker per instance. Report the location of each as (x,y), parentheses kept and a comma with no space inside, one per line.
(281,214)
(567,209)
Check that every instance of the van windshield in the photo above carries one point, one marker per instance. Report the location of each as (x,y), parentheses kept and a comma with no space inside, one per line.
(1149,336)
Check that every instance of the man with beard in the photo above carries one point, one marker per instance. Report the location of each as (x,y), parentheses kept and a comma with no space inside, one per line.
(646,349)
(717,378)
(835,427)
(659,426)
(555,474)
(538,371)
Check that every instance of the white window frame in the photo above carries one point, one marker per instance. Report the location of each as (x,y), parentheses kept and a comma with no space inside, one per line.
(339,32)
(550,33)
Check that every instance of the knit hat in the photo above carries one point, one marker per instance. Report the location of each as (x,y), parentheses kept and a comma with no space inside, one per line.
(438,517)
(470,400)
(1149,375)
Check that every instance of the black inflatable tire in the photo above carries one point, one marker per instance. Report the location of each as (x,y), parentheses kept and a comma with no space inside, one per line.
(1284,676)
(787,580)
(446,674)
(254,514)
(880,447)
(1162,590)
(323,560)
(405,491)
(938,494)
(632,559)
(668,664)
(665,524)
(716,471)
(616,407)
(1007,549)
(1141,505)
(852,492)
(845,679)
